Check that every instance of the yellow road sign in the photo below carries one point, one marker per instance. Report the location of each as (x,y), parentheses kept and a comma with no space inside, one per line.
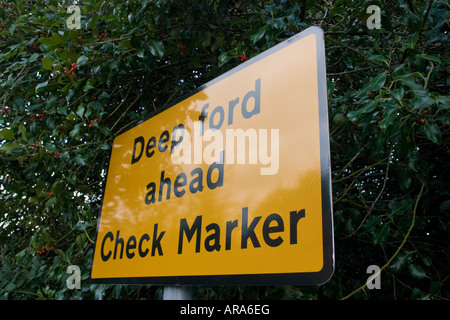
(231,185)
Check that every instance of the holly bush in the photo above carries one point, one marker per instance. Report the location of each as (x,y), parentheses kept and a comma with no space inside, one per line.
(65,93)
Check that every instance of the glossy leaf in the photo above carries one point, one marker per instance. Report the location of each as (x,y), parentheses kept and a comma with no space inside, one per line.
(156,48)
(432,132)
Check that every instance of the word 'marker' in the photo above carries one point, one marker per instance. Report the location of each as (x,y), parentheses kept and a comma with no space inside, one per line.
(213,236)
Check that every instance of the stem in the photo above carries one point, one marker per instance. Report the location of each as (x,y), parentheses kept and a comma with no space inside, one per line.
(398,249)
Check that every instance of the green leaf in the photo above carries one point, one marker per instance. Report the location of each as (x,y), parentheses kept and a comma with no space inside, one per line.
(80,110)
(23,132)
(258,35)
(408,80)
(61,253)
(430,58)
(41,85)
(141,53)
(156,48)
(57,188)
(33,57)
(405,180)
(397,94)
(223,58)
(444,102)
(380,233)
(8,147)
(432,132)
(47,63)
(10,286)
(51,147)
(374,85)
(353,115)
(75,130)
(218,43)
(80,241)
(368,107)
(389,115)
(104,130)
(82,60)
(104,95)
(377,83)
(402,259)
(6,134)
(422,102)
(90,84)
(416,271)
(47,41)
(58,39)
(378,58)
(125,44)
(411,39)
(95,105)
(22,129)
(445,206)
(105,146)
(82,225)
(50,122)
(399,207)
(80,160)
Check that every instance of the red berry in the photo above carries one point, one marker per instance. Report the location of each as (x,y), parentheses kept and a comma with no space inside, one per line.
(370,94)
(422,121)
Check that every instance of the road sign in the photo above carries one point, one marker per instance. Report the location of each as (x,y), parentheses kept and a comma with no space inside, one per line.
(230,185)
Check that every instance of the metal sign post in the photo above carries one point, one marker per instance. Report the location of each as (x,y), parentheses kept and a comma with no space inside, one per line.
(177,293)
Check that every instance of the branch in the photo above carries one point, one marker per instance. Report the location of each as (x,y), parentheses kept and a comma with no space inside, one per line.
(376,199)
(398,249)
(350,71)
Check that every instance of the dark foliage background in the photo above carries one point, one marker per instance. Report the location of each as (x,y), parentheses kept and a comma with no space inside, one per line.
(389,131)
